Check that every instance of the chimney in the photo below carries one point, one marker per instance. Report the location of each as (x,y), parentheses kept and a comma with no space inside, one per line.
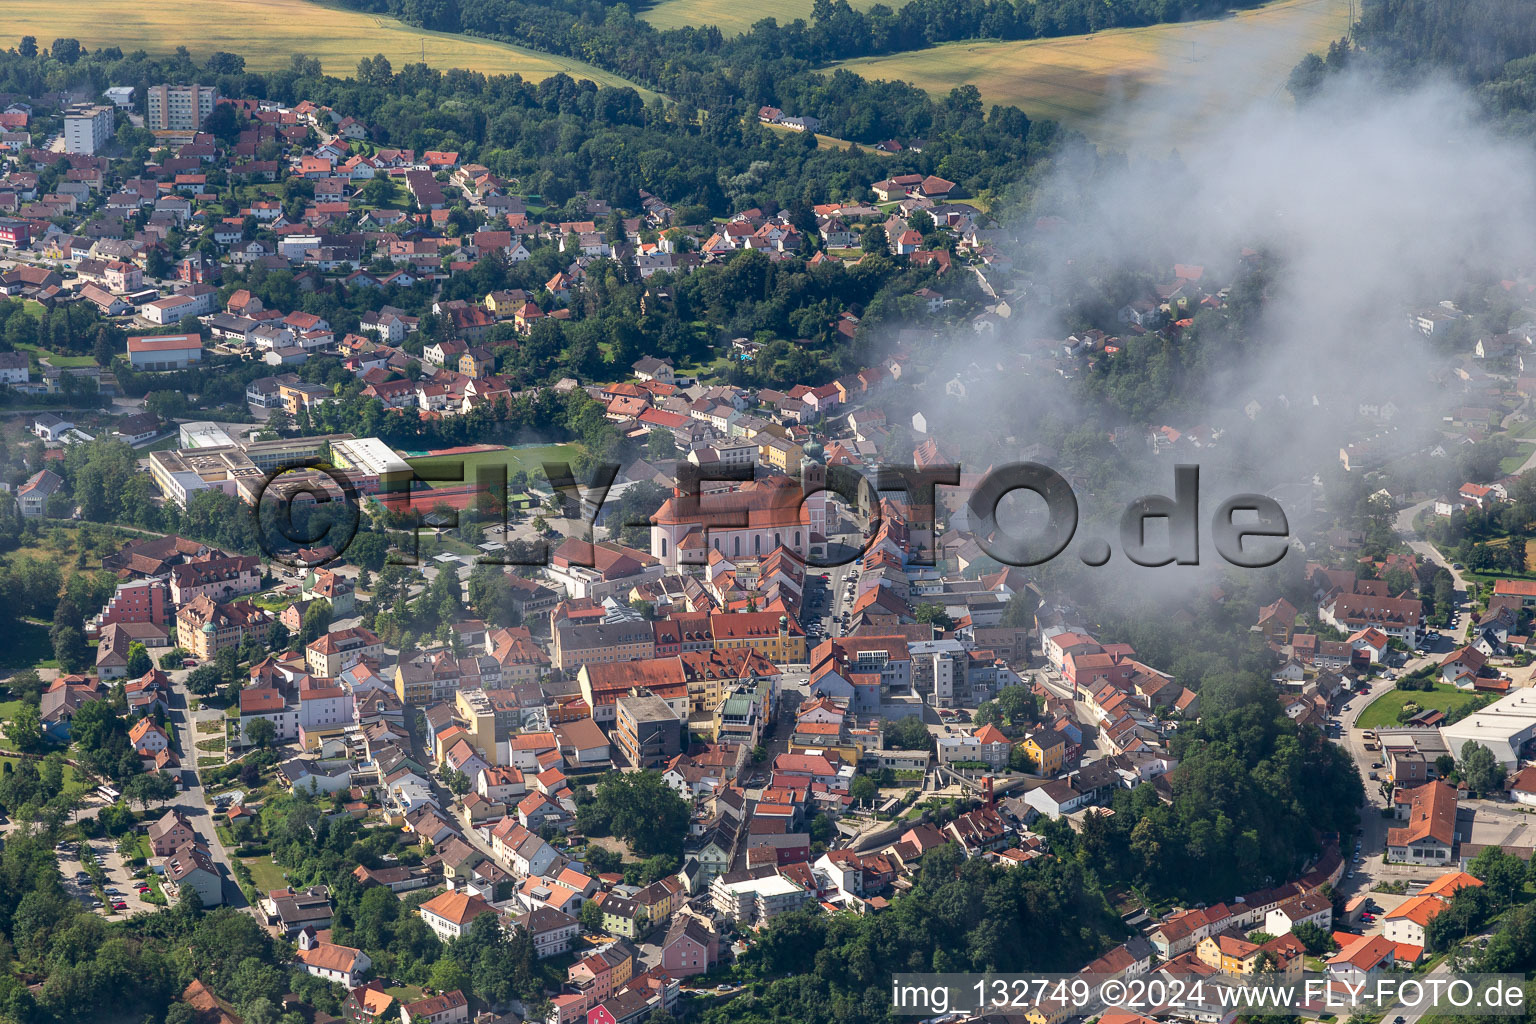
(987,784)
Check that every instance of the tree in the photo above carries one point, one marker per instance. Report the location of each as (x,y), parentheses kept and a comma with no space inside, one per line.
(1310,935)
(863,788)
(260,733)
(908,733)
(1480,770)
(204,679)
(591,917)
(379,191)
(1502,874)
(1017,705)
(873,239)
(639,807)
(148,787)
(28,47)
(986,713)
(24,732)
(138,660)
(222,62)
(69,648)
(1020,761)
(317,621)
(934,614)
(448,974)
(66,50)
(660,445)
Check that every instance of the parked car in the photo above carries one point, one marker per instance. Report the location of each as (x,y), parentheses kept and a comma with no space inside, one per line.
(1373,776)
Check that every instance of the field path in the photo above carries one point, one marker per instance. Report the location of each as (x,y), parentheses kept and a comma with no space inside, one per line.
(268,32)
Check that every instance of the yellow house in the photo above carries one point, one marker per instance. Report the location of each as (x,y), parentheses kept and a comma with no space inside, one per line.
(780,453)
(1051,1010)
(768,633)
(477,363)
(1229,954)
(1048,749)
(478,711)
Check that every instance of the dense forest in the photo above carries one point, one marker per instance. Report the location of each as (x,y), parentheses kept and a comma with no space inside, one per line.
(705,154)
(1489,45)
(693,64)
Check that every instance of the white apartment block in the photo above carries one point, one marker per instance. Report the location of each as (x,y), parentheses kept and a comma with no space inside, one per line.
(87,128)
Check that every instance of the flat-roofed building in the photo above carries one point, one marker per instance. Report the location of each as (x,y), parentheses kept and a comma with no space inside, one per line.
(647,730)
(165,352)
(1504,727)
(87,128)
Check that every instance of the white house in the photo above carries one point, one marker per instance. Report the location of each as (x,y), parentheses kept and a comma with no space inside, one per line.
(341,964)
(451,914)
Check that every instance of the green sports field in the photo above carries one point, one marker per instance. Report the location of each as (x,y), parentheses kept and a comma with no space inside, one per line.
(528,458)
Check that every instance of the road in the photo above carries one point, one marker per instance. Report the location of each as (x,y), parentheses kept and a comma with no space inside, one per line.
(193,802)
(1403,524)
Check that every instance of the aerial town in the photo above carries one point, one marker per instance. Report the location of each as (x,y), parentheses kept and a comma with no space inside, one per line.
(437,594)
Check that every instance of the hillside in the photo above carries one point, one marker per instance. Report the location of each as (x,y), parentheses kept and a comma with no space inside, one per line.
(267,32)
(1088,81)
(733,19)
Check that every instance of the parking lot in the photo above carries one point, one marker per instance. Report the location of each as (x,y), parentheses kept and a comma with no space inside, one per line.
(119,877)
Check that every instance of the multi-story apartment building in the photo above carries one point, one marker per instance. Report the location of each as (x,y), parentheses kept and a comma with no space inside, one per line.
(178,107)
(334,653)
(136,601)
(87,128)
(648,731)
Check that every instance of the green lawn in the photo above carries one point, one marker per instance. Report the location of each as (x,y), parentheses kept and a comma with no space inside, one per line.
(267,875)
(58,360)
(1444,697)
(73,783)
(528,458)
(1510,463)
(273,601)
(406,993)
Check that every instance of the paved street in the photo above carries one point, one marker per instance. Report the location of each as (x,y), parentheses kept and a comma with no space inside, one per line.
(192,802)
